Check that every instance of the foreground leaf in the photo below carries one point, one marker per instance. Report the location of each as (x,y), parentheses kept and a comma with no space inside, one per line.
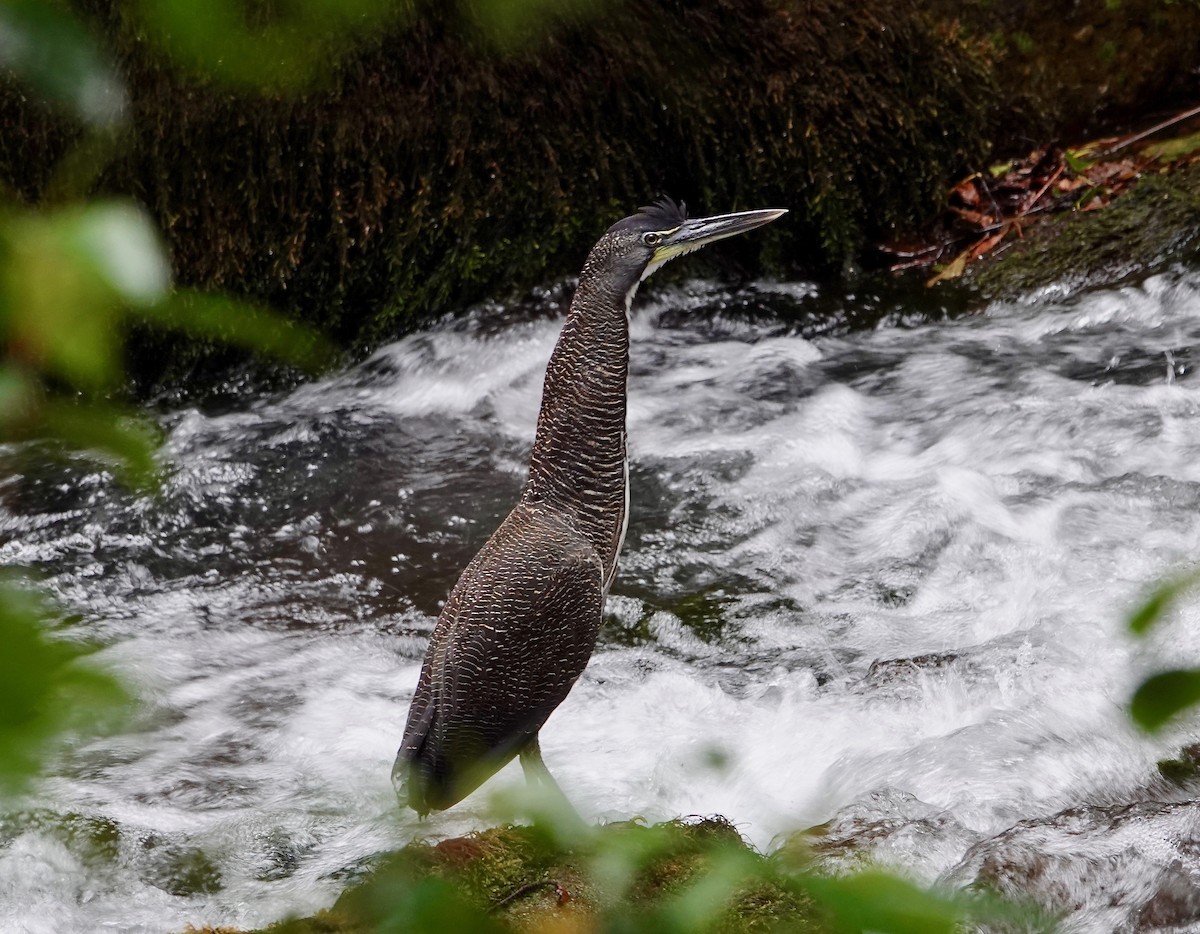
(1160,600)
(232,321)
(1164,696)
(67,277)
(52,53)
(46,689)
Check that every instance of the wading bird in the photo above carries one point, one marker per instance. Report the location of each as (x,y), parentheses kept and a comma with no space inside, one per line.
(520,624)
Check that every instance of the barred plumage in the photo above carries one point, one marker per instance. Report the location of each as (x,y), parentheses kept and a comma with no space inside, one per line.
(520,625)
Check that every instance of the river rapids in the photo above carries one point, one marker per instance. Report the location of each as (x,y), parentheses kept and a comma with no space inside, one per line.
(877,578)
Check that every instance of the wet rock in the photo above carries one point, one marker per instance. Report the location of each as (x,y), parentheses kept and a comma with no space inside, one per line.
(884,670)
(1133,867)
(1184,770)
(1174,905)
(176,867)
(881,830)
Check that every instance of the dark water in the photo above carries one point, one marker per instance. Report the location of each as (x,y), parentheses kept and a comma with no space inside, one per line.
(876,575)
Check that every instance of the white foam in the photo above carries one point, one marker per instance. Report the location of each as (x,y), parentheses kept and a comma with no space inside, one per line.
(975,505)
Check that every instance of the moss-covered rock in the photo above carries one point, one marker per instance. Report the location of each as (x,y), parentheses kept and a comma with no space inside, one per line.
(1157,222)
(514,879)
(1183,770)
(432,170)
(1063,71)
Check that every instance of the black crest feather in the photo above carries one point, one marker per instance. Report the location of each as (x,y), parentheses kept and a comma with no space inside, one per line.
(665,211)
(663,214)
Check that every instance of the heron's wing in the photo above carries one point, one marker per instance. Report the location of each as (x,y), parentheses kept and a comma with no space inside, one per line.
(420,712)
(518,647)
(516,634)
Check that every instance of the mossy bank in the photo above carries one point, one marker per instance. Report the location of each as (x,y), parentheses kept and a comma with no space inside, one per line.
(1155,224)
(432,169)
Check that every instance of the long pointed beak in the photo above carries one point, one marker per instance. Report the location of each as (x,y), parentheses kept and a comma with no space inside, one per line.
(700,231)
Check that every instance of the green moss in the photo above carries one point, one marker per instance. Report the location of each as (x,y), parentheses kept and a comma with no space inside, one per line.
(513,879)
(1155,223)
(431,172)
(1090,63)
(1023,42)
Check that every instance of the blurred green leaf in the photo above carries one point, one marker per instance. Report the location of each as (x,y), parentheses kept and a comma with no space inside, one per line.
(65,276)
(394,900)
(730,870)
(1077,161)
(45,46)
(876,901)
(46,689)
(511,24)
(126,440)
(285,47)
(18,397)
(232,321)
(1159,602)
(119,242)
(1163,696)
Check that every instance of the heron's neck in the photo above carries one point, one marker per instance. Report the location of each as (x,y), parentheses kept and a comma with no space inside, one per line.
(578,461)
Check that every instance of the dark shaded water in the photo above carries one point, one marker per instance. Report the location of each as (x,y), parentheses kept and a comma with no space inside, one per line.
(881,570)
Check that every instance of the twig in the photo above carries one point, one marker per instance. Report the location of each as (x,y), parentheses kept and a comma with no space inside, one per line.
(529,887)
(1178,118)
(1030,202)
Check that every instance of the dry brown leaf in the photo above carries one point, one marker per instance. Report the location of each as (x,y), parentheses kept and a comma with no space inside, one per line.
(1065,185)
(987,244)
(967,192)
(978,218)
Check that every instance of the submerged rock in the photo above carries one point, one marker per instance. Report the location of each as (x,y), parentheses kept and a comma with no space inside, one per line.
(1134,867)
(517,878)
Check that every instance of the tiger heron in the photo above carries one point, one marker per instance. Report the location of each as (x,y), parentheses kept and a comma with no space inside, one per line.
(520,624)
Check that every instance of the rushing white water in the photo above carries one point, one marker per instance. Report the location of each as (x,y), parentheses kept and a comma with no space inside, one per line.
(875,578)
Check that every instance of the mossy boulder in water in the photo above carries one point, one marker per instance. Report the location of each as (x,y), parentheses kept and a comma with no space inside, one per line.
(1156,223)
(515,879)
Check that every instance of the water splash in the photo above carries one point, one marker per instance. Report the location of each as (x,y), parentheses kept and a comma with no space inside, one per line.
(875,579)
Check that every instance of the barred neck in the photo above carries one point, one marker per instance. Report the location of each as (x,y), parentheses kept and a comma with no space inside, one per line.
(578,462)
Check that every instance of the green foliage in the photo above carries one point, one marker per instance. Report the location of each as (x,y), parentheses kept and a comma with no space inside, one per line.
(46,688)
(44,45)
(279,47)
(74,276)
(1160,602)
(67,278)
(514,25)
(1163,696)
(1166,695)
(678,877)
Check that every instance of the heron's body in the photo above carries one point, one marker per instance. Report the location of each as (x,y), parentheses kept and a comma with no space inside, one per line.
(520,625)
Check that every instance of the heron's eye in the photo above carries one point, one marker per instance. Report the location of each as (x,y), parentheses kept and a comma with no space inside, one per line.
(652,239)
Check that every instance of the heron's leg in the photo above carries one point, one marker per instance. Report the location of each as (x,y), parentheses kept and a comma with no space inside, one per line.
(538,775)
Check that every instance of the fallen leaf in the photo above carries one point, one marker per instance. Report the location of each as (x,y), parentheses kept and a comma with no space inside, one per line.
(952,270)
(978,218)
(987,244)
(967,192)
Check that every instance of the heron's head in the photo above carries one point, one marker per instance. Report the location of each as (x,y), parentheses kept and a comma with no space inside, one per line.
(633,248)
